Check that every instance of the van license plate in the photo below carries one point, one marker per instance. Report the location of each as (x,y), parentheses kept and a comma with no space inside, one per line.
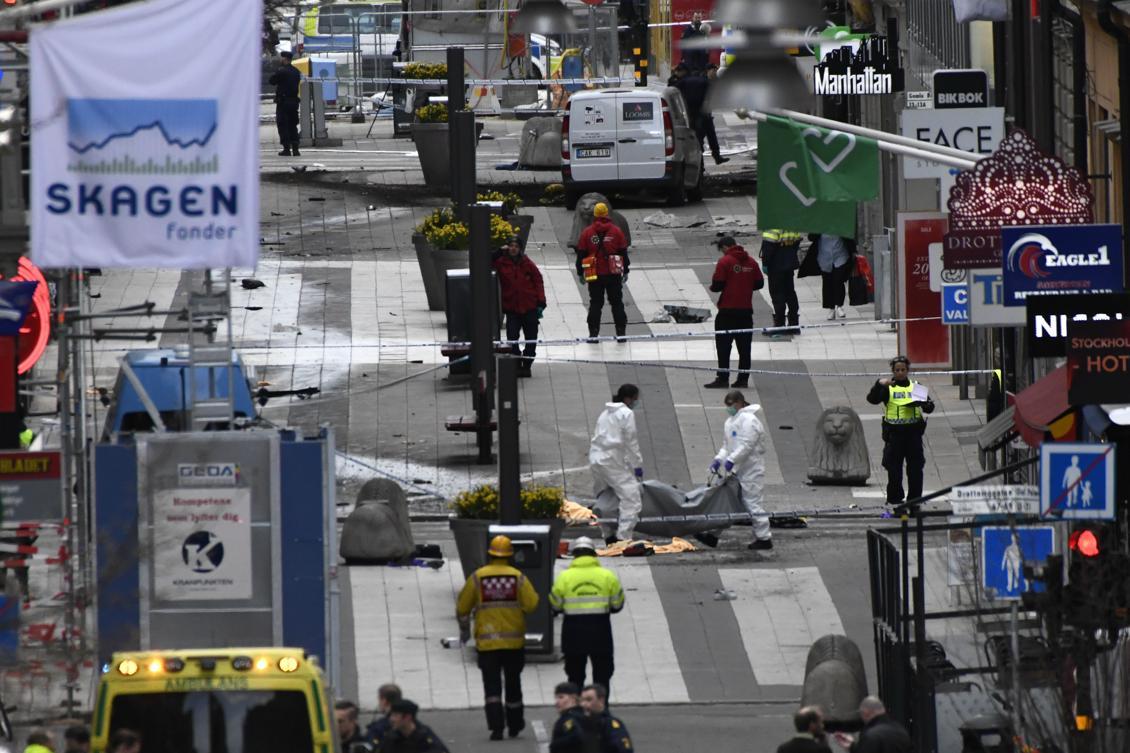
(598,151)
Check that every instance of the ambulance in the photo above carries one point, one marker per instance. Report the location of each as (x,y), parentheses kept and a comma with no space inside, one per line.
(234,700)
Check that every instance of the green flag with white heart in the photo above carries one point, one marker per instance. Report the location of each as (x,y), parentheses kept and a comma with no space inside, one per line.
(809,179)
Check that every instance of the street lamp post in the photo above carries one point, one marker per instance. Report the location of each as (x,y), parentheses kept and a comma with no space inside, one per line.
(482,328)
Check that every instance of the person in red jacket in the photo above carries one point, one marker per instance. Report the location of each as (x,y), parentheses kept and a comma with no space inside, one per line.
(736,276)
(523,299)
(602,262)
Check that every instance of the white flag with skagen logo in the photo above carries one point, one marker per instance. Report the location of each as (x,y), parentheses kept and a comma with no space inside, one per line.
(145,136)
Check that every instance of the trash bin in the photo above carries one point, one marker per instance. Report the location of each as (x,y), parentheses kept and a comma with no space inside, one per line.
(534,555)
(459,315)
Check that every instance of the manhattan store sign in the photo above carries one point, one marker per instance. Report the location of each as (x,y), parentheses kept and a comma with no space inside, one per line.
(871,68)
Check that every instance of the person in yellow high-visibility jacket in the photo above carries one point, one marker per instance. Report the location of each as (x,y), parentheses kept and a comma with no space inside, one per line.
(588,595)
(904,423)
(499,596)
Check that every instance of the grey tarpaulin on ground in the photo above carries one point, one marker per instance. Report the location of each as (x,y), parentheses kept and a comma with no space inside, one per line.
(663,500)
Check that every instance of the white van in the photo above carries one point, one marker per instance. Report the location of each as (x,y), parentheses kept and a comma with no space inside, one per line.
(615,140)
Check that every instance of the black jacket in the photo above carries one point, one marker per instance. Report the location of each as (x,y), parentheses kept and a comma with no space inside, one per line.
(693,88)
(422,740)
(286,80)
(779,257)
(804,744)
(614,737)
(574,732)
(696,60)
(378,731)
(883,735)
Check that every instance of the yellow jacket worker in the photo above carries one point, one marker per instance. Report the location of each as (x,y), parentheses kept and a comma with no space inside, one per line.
(500,597)
(587,594)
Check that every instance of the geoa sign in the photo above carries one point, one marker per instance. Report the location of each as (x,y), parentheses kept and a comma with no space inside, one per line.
(869,69)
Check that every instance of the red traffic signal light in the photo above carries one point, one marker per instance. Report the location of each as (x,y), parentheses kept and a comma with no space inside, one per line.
(1085,541)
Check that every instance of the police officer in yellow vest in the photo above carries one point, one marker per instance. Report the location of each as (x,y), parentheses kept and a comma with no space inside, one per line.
(903,427)
(588,595)
(779,257)
(499,596)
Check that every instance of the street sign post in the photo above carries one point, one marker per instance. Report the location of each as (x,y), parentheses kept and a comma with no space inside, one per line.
(955,304)
(1004,550)
(1077,481)
(995,500)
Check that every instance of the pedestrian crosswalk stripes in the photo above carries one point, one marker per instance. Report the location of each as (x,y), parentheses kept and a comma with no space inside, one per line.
(781,613)
(400,616)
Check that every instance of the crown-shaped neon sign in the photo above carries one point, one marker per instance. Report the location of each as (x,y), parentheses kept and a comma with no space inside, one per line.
(1019,185)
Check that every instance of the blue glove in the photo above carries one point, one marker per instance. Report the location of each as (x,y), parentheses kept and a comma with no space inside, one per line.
(639,473)
(729,466)
(715,466)
(541,311)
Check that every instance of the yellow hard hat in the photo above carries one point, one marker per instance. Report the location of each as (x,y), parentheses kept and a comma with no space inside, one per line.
(600,210)
(500,546)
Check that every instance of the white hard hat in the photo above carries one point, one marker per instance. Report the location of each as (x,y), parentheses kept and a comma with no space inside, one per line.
(583,542)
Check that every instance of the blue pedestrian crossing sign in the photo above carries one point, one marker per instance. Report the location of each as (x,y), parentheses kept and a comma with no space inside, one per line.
(1077,481)
(1004,550)
(955,303)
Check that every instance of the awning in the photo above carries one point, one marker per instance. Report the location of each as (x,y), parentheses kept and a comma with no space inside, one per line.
(998,431)
(1040,409)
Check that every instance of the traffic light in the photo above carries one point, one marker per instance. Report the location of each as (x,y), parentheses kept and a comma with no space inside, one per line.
(1098,591)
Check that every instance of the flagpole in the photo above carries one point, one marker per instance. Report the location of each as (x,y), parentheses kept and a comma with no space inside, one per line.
(888,142)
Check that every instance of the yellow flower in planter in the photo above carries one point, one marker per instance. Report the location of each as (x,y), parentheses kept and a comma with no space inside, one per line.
(538,503)
(432,113)
(511,202)
(425,70)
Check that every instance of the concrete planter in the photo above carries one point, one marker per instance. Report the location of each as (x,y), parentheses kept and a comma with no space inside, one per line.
(472,541)
(434,151)
(434,263)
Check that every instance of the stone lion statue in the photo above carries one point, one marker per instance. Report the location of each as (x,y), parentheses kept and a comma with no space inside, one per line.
(840,449)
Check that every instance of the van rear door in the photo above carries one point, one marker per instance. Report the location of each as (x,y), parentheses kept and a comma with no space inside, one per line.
(639,136)
(592,138)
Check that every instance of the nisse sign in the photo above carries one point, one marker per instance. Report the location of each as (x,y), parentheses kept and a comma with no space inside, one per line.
(1049,317)
(1098,362)
(1061,259)
(870,69)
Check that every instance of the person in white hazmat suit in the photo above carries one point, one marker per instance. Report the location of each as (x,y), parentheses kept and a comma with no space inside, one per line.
(615,460)
(743,454)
